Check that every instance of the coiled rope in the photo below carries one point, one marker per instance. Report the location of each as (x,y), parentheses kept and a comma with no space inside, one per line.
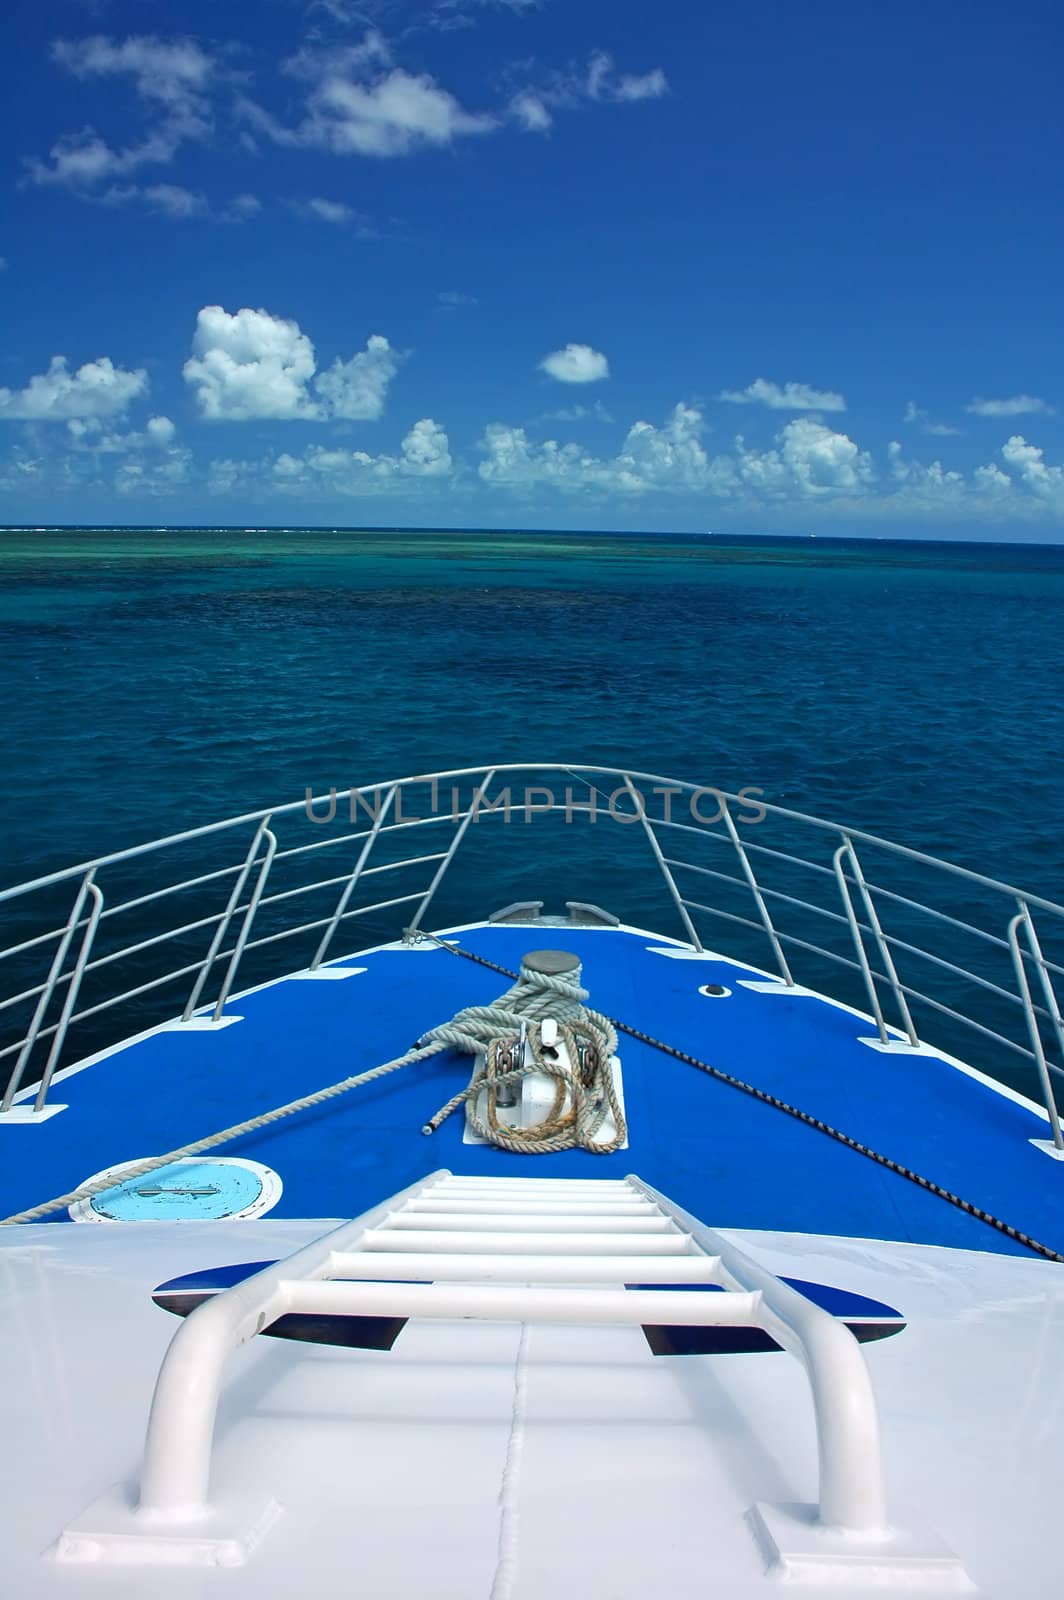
(584,1093)
(805,1117)
(474,1030)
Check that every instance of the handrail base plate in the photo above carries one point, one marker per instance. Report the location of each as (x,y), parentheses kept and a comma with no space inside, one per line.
(801,1550)
(114,1532)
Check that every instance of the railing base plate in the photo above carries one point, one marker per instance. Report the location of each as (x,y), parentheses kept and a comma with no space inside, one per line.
(1049,1148)
(200,1024)
(802,1550)
(328,972)
(23,1115)
(113,1532)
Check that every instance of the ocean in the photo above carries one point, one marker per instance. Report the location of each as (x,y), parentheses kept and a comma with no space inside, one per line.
(159,679)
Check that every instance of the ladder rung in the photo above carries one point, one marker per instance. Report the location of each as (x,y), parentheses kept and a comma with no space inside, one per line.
(497,1180)
(376,1264)
(529,1223)
(511,1303)
(514,1242)
(499,1206)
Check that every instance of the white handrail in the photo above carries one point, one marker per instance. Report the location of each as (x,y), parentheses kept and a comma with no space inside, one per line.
(254,910)
(852,1489)
(175,1481)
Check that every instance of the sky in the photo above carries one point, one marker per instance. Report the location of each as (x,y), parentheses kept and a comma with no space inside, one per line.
(577,264)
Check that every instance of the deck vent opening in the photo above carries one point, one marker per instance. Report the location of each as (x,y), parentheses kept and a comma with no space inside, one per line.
(715,991)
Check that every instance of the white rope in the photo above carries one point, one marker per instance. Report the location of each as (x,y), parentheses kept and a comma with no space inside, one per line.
(476,1030)
(584,1092)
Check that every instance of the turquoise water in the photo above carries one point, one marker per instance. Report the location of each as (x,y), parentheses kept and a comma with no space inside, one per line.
(156,680)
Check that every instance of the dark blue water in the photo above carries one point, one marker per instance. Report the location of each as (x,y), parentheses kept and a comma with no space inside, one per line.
(153,681)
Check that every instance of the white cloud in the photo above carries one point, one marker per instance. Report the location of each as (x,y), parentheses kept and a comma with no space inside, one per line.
(89,436)
(530,111)
(250,364)
(173,79)
(576,363)
(811,459)
(1019,405)
(453,299)
(160,430)
(669,457)
(1029,464)
(810,462)
(592,413)
(937,430)
(785,397)
(336,211)
(533,105)
(603,83)
(97,389)
(357,389)
(358,103)
(173,72)
(424,455)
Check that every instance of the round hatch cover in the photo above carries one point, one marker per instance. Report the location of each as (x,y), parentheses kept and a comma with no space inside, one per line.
(201,1189)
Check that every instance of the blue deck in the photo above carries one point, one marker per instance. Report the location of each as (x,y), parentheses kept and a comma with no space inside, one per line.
(714,1150)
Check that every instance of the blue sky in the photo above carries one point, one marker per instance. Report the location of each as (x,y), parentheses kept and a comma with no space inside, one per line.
(574,263)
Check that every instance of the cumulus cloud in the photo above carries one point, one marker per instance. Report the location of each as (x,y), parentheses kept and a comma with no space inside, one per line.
(1028,462)
(666,457)
(1018,405)
(250,364)
(576,363)
(424,455)
(785,397)
(357,389)
(809,461)
(97,389)
(91,436)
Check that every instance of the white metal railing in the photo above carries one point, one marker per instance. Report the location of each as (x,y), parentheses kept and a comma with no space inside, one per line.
(499,1257)
(108,951)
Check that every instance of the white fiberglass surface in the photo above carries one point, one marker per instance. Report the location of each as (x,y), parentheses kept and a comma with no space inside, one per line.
(490,1460)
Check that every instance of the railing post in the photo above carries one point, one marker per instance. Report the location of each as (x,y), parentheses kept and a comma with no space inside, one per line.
(245,926)
(349,887)
(692,933)
(882,946)
(1023,919)
(50,985)
(460,832)
(223,926)
(71,997)
(755,889)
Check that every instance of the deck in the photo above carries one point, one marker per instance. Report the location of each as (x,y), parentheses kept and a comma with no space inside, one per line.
(718,1152)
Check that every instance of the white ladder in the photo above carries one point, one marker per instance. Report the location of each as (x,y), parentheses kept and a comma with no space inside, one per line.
(521,1250)
(517,1250)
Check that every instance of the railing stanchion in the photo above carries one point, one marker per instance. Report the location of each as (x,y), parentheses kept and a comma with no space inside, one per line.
(666,871)
(69,1003)
(460,833)
(49,987)
(245,926)
(755,890)
(1023,919)
(384,806)
(882,946)
(223,926)
(858,942)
